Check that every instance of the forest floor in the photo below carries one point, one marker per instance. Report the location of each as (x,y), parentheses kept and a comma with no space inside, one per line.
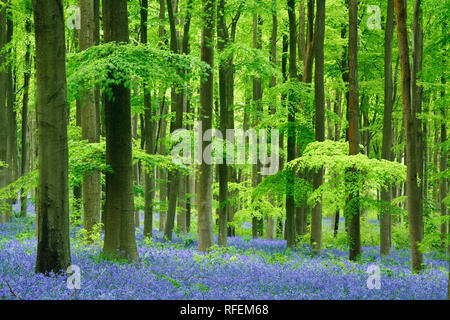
(246,269)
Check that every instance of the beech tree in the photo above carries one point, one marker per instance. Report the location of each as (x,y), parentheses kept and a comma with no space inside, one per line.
(119,209)
(90,124)
(204,196)
(53,250)
(4,215)
(319,36)
(410,123)
(352,205)
(386,195)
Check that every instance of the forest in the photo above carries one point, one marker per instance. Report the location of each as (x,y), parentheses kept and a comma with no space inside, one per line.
(224,150)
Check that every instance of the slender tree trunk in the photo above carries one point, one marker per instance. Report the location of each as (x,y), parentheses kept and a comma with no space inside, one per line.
(177,107)
(337,135)
(119,229)
(319,36)
(11,141)
(290,203)
(443,167)
(24,141)
(386,153)
(257,101)
(222,42)
(409,121)
(309,50)
(352,205)
(163,172)
(416,98)
(273,83)
(89,123)
(136,169)
(148,136)
(205,219)
(53,249)
(3,114)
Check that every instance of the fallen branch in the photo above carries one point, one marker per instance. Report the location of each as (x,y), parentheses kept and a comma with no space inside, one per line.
(12,291)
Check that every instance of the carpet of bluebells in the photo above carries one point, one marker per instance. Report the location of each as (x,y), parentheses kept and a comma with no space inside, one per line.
(246,269)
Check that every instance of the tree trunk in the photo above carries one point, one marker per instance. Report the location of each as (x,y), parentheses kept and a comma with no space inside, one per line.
(410,123)
(290,203)
(319,36)
(205,219)
(148,136)
(416,98)
(386,153)
(11,141)
(136,169)
(24,142)
(3,114)
(222,42)
(273,83)
(89,123)
(53,249)
(176,107)
(257,223)
(352,205)
(443,167)
(119,229)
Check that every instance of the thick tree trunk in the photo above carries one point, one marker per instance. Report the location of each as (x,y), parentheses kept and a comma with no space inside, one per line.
(319,36)
(410,123)
(205,219)
(386,153)
(119,229)
(53,250)
(352,205)
(89,123)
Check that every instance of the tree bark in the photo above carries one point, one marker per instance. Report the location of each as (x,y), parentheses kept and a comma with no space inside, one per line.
(90,130)
(53,250)
(386,153)
(416,98)
(205,219)
(352,205)
(11,141)
(290,178)
(319,36)
(119,229)
(443,167)
(149,136)
(257,223)
(222,42)
(24,141)
(410,123)
(177,108)
(3,114)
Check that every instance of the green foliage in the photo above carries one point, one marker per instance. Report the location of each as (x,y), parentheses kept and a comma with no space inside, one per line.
(108,64)
(333,156)
(25,183)
(89,240)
